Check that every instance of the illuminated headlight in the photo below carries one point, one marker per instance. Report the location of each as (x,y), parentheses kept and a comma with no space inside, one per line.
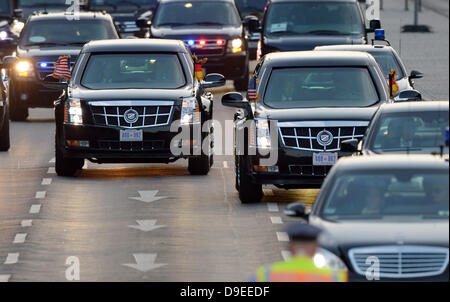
(262,136)
(24,69)
(236,45)
(324,258)
(74,113)
(3,35)
(190,112)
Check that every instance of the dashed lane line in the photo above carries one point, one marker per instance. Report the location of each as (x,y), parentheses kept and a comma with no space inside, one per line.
(51,170)
(20,238)
(35,209)
(40,194)
(46,181)
(282,237)
(52,161)
(286,255)
(276,220)
(273,207)
(5,278)
(26,223)
(12,258)
(268,192)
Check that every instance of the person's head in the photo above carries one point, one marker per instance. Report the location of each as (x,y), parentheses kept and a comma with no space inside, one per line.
(437,191)
(303,239)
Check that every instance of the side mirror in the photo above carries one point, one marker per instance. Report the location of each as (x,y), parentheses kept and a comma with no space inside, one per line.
(296,209)
(18,13)
(409,95)
(235,100)
(9,61)
(52,83)
(213,80)
(145,20)
(350,145)
(374,25)
(50,79)
(416,75)
(252,23)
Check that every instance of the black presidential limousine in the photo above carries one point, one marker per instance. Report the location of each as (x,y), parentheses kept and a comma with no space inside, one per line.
(318,100)
(121,102)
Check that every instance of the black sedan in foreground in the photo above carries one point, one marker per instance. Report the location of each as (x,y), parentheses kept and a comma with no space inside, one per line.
(409,127)
(123,103)
(384,218)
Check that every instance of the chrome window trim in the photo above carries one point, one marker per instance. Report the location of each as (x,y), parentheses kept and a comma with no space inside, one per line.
(131,103)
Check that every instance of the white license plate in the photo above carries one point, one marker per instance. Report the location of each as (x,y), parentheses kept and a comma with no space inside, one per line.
(325,159)
(131,135)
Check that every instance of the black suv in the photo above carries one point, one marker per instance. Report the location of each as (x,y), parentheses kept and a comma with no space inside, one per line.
(126,102)
(125,14)
(44,39)
(10,27)
(4,119)
(211,29)
(294,25)
(29,7)
(309,102)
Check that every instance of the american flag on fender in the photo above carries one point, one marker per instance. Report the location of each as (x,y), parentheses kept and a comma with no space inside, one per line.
(62,68)
(252,89)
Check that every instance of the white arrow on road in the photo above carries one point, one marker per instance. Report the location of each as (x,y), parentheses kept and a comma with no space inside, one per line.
(148,196)
(146,225)
(145,262)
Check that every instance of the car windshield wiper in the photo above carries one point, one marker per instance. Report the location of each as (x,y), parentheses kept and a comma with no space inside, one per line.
(326,32)
(172,24)
(284,32)
(45,44)
(401,149)
(207,23)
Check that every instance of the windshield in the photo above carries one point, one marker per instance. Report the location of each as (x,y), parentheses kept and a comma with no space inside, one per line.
(388,62)
(320,87)
(409,130)
(251,6)
(112,5)
(65,32)
(141,71)
(321,18)
(396,193)
(41,3)
(197,13)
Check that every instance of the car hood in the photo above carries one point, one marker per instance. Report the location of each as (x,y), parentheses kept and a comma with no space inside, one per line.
(318,114)
(308,42)
(189,32)
(130,94)
(398,231)
(49,52)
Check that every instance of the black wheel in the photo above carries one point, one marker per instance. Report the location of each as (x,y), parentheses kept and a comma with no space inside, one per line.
(17,111)
(4,135)
(66,166)
(242,84)
(199,165)
(248,191)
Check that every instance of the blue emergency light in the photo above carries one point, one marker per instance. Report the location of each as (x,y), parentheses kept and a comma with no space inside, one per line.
(44,65)
(447,137)
(191,42)
(380,35)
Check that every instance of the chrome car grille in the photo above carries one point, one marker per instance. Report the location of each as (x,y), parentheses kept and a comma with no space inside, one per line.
(305,135)
(153,145)
(210,48)
(401,261)
(149,113)
(127,26)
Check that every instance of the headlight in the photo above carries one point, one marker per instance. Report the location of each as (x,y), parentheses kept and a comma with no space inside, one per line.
(325,258)
(3,35)
(236,45)
(24,69)
(73,114)
(262,137)
(190,112)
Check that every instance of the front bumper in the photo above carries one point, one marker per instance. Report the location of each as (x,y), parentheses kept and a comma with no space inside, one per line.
(32,92)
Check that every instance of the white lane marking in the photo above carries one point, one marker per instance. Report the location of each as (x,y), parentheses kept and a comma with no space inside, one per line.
(273,207)
(225,165)
(51,170)
(20,238)
(4,278)
(148,196)
(46,181)
(12,258)
(52,161)
(85,166)
(282,237)
(145,262)
(26,223)
(268,192)
(286,255)
(40,194)
(276,220)
(146,225)
(35,209)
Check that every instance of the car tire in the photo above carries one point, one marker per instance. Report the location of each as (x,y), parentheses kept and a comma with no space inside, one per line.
(242,84)
(4,135)
(248,191)
(17,112)
(65,166)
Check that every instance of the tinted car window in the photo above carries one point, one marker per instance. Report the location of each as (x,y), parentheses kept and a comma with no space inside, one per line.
(40,3)
(388,62)
(63,31)
(250,6)
(144,71)
(410,130)
(398,193)
(313,18)
(203,13)
(320,87)
(4,8)
(122,4)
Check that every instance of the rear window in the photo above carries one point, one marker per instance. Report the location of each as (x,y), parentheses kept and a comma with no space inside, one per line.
(141,71)
(320,87)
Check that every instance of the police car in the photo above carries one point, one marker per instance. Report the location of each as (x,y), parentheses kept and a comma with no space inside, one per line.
(125,103)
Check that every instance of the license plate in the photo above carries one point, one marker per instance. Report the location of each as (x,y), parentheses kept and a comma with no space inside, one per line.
(131,135)
(325,159)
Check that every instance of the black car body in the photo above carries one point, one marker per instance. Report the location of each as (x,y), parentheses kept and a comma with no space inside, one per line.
(294,25)
(38,52)
(29,7)
(407,127)
(4,119)
(388,59)
(405,236)
(125,14)
(314,131)
(212,30)
(93,115)
(10,27)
